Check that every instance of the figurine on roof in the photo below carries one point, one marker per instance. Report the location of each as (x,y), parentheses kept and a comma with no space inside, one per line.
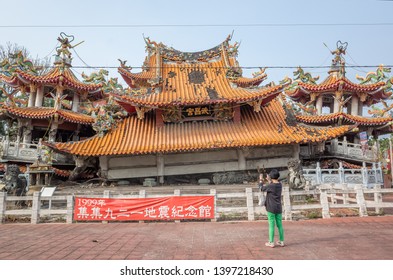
(65,45)
(338,60)
(376,112)
(304,77)
(95,77)
(375,77)
(22,62)
(308,108)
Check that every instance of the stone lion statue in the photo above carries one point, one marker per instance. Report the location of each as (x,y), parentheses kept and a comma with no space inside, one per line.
(296,179)
(12,183)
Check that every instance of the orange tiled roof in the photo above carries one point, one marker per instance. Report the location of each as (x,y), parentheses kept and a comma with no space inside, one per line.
(136,79)
(180,78)
(59,76)
(188,83)
(134,136)
(330,118)
(249,82)
(141,79)
(332,84)
(45,113)
(11,80)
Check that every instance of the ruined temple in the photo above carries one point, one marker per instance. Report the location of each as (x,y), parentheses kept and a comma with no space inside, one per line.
(51,105)
(337,101)
(191,116)
(195,113)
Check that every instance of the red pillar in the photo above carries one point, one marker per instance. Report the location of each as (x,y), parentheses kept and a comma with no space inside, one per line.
(159,119)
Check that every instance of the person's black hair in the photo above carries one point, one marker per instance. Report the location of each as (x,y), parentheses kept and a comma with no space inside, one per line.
(274,174)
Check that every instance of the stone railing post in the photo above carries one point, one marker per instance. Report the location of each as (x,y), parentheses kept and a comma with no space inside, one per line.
(36,207)
(345,195)
(318,172)
(16,153)
(70,209)
(213,192)
(6,145)
(325,204)
(3,206)
(377,198)
(374,167)
(361,201)
(341,173)
(287,203)
(345,146)
(380,174)
(364,174)
(250,204)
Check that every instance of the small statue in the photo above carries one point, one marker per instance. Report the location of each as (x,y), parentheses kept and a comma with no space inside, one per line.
(13,184)
(296,179)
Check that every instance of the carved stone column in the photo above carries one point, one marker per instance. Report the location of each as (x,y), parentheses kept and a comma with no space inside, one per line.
(32,96)
(39,99)
(59,93)
(319,104)
(104,166)
(355,105)
(241,159)
(75,102)
(27,131)
(53,130)
(336,106)
(360,109)
(75,136)
(160,168)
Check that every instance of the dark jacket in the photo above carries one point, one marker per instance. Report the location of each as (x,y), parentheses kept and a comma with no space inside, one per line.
(273,197)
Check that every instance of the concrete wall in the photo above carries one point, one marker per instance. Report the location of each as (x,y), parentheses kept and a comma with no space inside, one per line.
(123,167)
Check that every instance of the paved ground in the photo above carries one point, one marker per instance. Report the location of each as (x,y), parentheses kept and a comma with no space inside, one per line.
(356,238)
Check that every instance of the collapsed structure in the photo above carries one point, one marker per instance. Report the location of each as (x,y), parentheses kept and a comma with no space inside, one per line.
(194,114)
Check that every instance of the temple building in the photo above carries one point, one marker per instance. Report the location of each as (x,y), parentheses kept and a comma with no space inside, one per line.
(338,101)
(52,105)
(195,114)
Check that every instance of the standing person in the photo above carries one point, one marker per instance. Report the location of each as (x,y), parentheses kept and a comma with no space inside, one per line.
(273,206)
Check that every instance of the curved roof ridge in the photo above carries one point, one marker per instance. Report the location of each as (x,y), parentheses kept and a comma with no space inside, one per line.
(170,53)
(352,118)
(48,112)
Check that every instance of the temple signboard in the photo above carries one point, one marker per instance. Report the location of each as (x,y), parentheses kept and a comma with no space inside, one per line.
(197,111)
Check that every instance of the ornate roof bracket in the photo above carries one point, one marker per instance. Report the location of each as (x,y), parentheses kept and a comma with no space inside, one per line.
(363,96)
(256,104)
(313,96)
(140,111)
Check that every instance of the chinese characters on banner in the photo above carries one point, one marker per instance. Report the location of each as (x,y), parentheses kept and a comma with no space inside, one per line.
(136,209)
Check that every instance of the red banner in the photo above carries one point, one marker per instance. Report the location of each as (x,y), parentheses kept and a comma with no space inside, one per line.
(137,209)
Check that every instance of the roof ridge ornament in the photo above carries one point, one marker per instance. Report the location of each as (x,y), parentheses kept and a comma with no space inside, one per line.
(18,61)
(338,62)
(63,54)
(304,77)
(375,77)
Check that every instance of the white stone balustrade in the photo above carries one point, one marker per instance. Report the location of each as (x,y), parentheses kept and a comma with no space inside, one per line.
(365,176)
(343,148)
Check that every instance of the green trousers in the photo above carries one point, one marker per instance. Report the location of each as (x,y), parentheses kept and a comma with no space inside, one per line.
(275,219)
